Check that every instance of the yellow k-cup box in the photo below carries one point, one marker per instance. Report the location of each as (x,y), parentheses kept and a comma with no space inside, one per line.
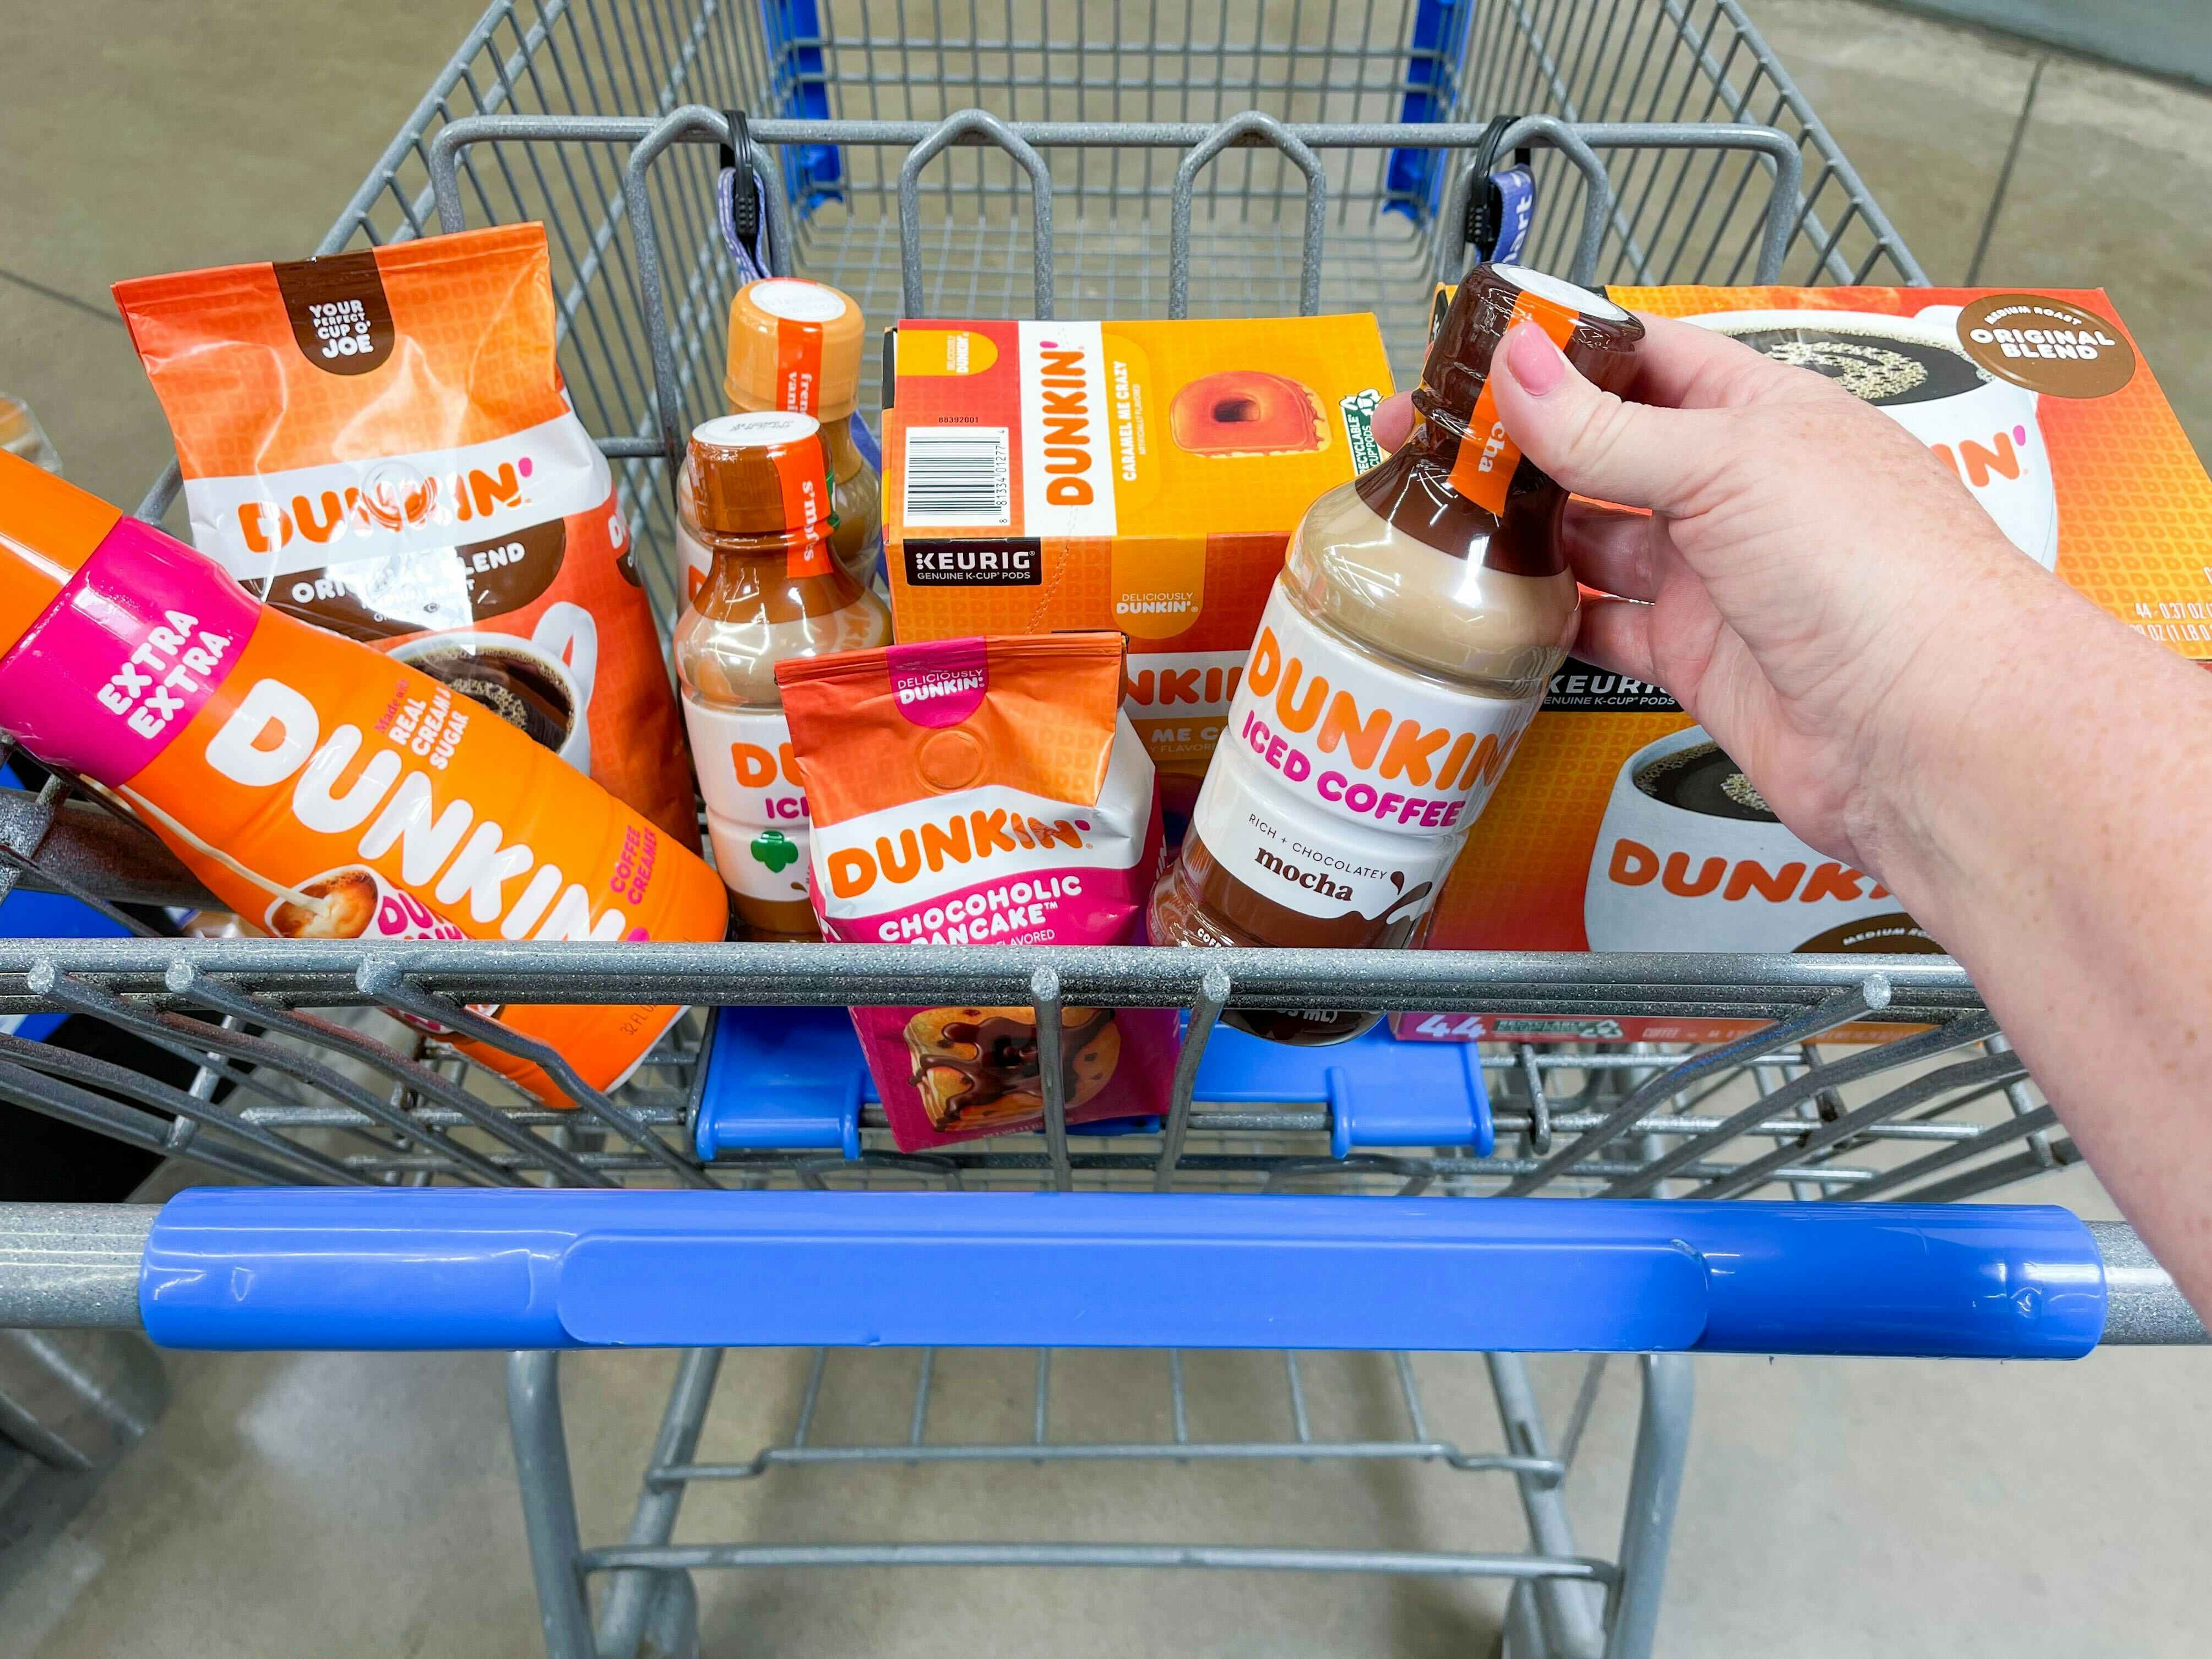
(1143,476)
(1623,827)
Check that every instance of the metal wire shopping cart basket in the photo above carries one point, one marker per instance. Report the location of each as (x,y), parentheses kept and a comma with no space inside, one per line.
(1261,159)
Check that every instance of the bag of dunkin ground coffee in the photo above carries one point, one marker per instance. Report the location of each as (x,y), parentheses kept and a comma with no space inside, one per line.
(984,792)
(379,442)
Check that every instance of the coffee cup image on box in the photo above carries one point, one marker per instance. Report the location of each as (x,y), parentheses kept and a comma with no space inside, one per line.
(1690,857)
(979,1068)
(1246,411)
(1914,370)
(354,902)
(542,685)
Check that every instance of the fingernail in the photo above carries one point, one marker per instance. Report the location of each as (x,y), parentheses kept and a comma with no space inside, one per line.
(1533,360)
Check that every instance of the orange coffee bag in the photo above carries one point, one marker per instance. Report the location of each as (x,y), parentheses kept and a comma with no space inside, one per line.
(379,443)
(984,792)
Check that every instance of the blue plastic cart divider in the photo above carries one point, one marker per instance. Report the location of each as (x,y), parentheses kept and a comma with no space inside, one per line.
(792,30)
(1414,184)
(335,1267)
(790,1079)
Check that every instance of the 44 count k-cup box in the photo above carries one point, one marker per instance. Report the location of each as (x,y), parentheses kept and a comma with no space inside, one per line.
(1623,827)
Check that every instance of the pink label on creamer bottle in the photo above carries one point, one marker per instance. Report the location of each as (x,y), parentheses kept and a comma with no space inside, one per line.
(131,650)
(938,684)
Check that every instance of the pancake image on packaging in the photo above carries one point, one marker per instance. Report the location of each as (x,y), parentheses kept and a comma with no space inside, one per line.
(980,1066)
(1246,411)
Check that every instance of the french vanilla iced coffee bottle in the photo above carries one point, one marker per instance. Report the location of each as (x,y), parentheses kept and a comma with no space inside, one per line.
(795,345)
(759,488)
(1421,609)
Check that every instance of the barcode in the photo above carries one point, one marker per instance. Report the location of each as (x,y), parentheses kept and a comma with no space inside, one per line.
(957,475)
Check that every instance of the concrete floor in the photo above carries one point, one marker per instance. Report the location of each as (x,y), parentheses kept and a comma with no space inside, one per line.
(365,1505)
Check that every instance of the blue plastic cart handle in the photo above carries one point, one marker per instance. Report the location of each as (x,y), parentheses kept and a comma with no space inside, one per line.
(244,1268)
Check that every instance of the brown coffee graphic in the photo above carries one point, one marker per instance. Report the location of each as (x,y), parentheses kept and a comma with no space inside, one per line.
(1236,913)
(512,682)
(346,901)
(2046,345)
(1892,935)
(340,317)
(980,1066)
(1880,368)
(1703,779)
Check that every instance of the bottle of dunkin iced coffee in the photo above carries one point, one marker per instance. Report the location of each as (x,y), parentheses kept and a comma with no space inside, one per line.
(759,493)
(795,345)
(1421,609)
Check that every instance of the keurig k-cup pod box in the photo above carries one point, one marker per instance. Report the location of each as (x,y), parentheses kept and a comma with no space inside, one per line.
(1143,477)
(1623,827)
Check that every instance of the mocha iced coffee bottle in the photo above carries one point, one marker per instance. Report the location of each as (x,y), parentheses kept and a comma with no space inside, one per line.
(1421,609)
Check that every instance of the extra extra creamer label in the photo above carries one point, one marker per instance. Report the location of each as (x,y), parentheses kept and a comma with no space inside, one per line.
(756,803)
(1345,787)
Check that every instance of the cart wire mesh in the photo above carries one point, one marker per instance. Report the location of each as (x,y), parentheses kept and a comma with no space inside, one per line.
(959,157)
(1003,161)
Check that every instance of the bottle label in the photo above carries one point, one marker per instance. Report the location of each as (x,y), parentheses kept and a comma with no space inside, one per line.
(693,559)
(1487,456)
(756,803)
(143,636)
(1344,786)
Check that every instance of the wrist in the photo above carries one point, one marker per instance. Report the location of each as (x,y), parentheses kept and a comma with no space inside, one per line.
(1954,802)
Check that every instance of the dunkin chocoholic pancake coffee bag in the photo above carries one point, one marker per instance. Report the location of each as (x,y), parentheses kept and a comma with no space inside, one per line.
(984,792)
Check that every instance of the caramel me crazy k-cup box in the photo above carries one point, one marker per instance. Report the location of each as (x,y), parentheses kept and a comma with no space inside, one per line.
(1140,476)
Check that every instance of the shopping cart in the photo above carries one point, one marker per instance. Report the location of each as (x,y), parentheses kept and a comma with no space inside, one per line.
(1259,159)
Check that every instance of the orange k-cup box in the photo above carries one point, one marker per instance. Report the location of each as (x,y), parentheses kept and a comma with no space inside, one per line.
(1141,477)
(1623,827)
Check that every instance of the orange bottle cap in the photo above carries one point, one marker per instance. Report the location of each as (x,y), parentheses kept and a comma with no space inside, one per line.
(795,345)
(48,529)
(746,472)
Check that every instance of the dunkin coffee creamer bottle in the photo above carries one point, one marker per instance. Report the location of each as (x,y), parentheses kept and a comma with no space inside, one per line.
(318,787)
(1421,609)
(795,346)
(759,490)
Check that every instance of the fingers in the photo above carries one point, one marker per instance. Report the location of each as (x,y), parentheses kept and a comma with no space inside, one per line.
(1393,419)
(1592,441)
(1616,634)
(1614,549)
(1681,366)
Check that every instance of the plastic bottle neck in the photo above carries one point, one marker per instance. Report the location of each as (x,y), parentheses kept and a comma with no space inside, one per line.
(749,579)
(1413,489)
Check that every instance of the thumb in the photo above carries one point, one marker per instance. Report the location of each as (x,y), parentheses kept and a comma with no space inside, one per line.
(1591,441)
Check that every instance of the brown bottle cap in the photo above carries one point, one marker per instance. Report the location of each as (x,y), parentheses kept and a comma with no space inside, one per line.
(796,345)
(750,474)
(1597,335)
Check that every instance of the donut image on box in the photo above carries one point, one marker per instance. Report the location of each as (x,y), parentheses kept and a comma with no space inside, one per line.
(979,1068)
(1246,411)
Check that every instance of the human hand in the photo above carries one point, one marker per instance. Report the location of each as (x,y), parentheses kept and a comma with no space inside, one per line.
(1806,579)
